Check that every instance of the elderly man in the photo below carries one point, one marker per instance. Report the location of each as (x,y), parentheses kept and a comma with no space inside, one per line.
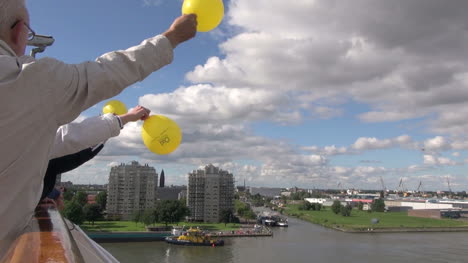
(38,96)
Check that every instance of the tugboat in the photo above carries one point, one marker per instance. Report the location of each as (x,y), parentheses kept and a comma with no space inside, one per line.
(194,237)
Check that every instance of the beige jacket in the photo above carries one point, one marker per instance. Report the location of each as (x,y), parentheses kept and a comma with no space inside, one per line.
(38,96)
(76,136)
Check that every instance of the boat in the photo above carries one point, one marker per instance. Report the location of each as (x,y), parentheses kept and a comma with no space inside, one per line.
(269,222)
(282,223)
(272,219)
(194,237)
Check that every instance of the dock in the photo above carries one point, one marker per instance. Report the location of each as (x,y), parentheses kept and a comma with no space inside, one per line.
(260,231)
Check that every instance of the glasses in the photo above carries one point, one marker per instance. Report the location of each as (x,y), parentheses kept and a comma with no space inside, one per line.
(31,33)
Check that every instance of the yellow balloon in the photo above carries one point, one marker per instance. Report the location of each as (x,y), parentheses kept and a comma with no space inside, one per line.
(209,12)
(160,134)
(114,106)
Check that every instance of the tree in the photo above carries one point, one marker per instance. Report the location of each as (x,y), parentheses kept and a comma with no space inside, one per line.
(149,217)
(68,195)
(336,206)
(101,199)
(378,205)
(81,198)
(92,212)
(244,210)
(74,212)
(226,216)
(317,207)
(171,211)
(306,206)
(137,216)
(346,210)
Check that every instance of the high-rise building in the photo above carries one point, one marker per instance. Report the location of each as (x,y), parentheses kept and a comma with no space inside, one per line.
(161,179)
(209,192)
(132,187)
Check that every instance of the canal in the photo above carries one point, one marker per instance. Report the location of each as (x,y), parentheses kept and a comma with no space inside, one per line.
(306,242)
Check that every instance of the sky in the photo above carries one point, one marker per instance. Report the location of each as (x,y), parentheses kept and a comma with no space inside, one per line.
(306,93)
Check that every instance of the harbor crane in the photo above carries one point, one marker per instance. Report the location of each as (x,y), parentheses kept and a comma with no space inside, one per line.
(384,189)
(419,186)
(340,187)
(448,184)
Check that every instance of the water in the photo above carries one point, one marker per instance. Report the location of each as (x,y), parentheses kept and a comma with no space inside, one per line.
(306,242)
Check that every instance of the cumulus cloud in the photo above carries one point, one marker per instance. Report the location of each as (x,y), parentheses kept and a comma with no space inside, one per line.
(436,160)
(365,144)
(404,60)
(206,103)
(437,143)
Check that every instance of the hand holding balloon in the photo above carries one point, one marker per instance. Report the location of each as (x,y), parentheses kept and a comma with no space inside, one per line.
(134,114)
(209,12)
(160,134)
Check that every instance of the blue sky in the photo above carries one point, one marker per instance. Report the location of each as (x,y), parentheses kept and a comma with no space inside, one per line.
(304,93)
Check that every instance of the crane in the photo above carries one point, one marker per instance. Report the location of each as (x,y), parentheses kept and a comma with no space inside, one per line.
(419,186)
(340,187)
(448,184)
(384,189)
(401,186)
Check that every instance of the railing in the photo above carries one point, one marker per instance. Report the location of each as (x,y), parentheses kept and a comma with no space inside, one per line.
(48,241)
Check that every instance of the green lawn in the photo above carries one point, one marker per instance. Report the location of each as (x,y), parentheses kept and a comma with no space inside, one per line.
(361,220)
(115,226)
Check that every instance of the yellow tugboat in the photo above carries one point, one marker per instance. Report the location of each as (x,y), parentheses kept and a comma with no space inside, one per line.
(194,237)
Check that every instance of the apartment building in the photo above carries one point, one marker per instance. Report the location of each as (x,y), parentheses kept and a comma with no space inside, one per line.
(209,192)
(132,187)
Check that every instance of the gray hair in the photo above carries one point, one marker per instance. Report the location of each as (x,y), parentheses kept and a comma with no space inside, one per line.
(9,11)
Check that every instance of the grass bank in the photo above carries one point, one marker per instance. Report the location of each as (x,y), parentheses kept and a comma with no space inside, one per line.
(361,220)
(129,226)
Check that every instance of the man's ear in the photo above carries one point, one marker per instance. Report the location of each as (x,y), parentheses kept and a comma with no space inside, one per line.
(15,33)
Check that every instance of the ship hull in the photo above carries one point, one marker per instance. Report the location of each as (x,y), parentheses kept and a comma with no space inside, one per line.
(175,241)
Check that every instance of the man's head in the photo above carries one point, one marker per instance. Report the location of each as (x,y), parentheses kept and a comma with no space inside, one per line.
(14,24)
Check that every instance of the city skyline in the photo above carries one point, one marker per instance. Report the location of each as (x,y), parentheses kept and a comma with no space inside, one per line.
(310,93)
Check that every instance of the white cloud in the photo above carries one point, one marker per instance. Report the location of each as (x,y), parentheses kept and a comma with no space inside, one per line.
(366,143)
(403,60)
(206,103)
(436,144)
(435,160)
(112,164)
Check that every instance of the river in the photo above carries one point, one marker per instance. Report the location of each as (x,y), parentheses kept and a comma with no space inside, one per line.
(306,242)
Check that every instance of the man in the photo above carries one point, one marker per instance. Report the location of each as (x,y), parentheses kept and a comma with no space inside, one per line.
(38,96)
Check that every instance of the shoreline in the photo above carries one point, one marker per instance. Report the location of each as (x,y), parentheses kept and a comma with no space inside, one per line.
(389,229)
(403,230)
(149,236)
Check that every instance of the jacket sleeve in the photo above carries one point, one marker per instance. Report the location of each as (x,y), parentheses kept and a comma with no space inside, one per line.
(76,136)
(65,164)
(69,89)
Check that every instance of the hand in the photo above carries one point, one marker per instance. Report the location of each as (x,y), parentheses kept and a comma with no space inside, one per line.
(137,113)
(182,29)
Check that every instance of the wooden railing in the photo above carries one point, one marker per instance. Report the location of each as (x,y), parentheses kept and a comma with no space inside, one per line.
(48,241)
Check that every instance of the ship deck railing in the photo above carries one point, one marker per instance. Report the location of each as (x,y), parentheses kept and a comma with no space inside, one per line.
(48,239)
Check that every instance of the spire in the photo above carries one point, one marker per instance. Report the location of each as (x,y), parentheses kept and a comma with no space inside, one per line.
(161,179)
